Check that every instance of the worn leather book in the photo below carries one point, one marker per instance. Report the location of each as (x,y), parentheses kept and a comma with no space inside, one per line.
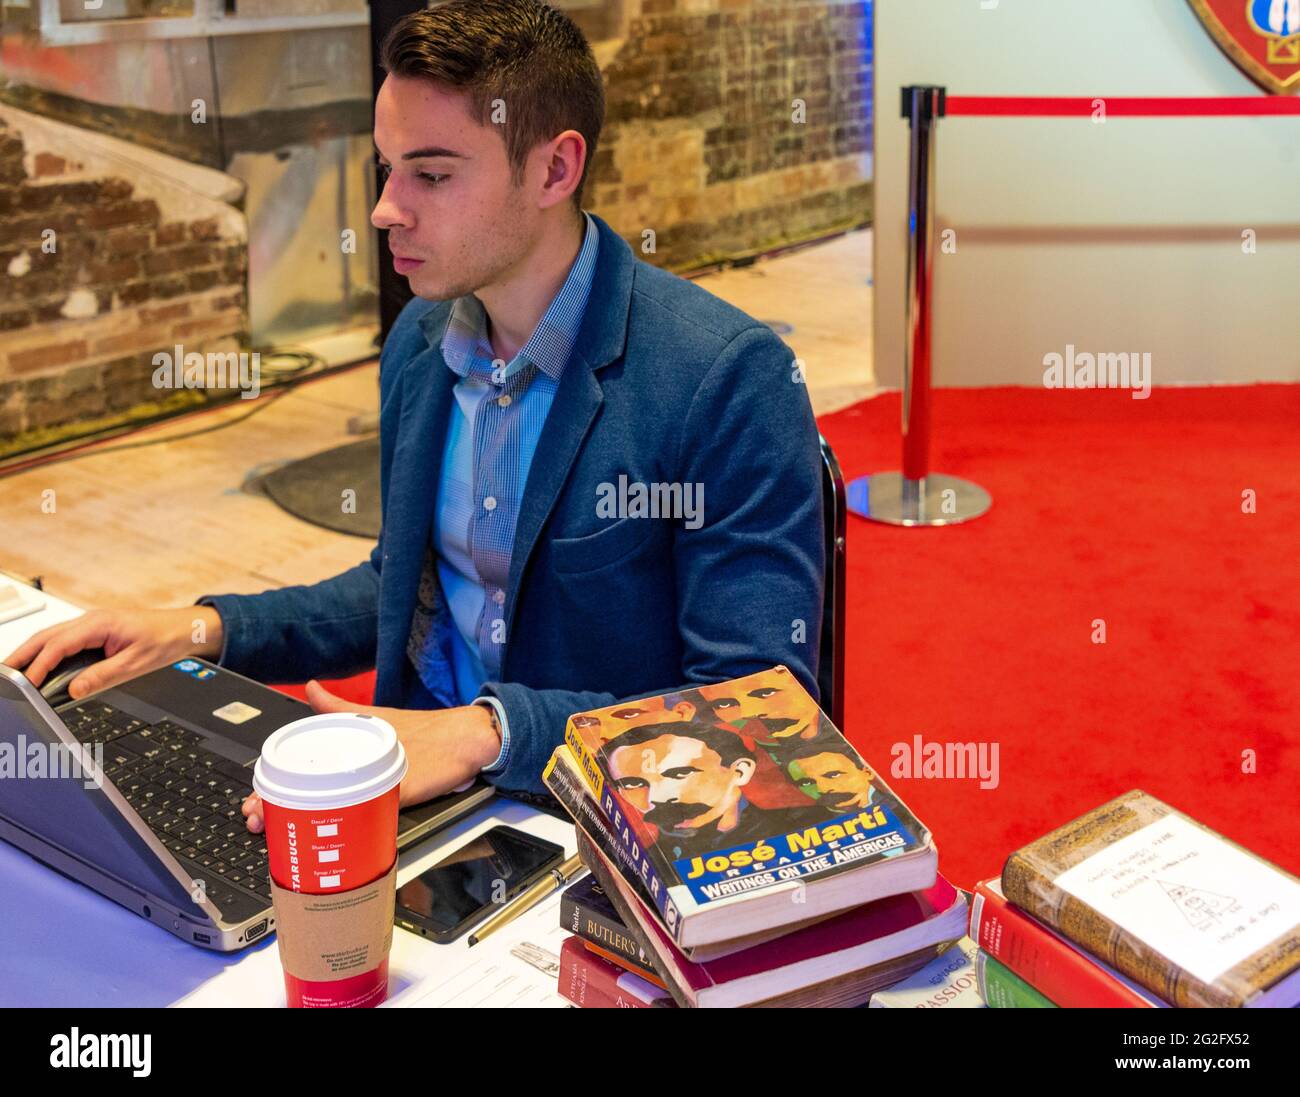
(1196,919)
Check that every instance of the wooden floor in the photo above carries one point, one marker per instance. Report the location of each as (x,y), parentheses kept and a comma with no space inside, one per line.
(163,524)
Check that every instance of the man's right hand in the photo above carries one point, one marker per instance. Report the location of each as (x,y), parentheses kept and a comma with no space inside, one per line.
(135,641)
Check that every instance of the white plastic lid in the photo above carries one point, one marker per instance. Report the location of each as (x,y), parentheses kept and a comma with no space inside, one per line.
(329,760)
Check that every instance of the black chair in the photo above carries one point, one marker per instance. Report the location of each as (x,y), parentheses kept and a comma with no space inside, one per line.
(830,667)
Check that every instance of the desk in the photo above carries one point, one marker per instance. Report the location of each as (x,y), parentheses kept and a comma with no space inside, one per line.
(66,945)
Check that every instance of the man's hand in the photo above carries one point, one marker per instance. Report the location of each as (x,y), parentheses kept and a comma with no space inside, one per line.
(445,748)
(135,641)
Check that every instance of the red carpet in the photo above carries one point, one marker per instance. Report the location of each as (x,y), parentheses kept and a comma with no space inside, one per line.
(1103,507)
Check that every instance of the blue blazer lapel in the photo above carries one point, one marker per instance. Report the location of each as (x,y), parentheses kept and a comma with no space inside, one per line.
(601,340)
(410,491)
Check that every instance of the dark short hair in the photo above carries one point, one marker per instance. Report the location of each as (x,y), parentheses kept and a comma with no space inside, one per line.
(523,52)
(727,745)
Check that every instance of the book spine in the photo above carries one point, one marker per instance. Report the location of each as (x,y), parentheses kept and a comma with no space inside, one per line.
(600,871)
(591,982)
(1043,960)
(1004,989)
(647,973)
(600,928)
(586,761)
(586,812)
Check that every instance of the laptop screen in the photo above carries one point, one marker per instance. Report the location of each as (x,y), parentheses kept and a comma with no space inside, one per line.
(44,791)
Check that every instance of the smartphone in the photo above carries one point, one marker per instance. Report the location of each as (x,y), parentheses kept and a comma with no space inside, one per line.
(473,882)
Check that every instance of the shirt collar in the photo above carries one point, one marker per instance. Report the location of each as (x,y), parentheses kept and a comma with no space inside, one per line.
(549,346)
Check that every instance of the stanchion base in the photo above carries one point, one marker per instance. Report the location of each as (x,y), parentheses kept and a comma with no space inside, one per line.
(937,500)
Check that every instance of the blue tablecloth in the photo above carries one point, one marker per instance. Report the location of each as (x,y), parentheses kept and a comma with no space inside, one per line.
(62,944)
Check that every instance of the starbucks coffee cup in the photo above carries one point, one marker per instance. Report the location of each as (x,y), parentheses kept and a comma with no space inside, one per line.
(329,789)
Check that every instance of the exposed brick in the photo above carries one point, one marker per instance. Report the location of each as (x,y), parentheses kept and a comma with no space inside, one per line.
(47,357)
(29,229)
(121,243)
(231,301)
(171,233)
(52,413)
(123,213)
(114,189)
(208,229)
(120,270)
(128,341)
(178,310)
(81,193)
(13,319)
(11,201)
(210,325)
(46,163)
(176,259)
(200,280)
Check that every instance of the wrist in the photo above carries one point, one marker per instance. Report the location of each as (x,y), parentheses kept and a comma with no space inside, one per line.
(207,633)
(487,735)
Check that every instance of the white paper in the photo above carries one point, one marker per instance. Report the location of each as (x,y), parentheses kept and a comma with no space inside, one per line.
(518,966)
(1187,893)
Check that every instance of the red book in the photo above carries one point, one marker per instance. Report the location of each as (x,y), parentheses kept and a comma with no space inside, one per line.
(592,982)
(1050,964)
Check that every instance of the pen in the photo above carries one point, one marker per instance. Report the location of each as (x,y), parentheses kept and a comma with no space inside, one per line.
(529,898)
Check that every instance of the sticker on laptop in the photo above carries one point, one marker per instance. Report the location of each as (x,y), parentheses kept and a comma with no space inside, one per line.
(189,666)
(236,712)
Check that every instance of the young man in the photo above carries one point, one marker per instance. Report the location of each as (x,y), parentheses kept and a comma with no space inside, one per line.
(544,400)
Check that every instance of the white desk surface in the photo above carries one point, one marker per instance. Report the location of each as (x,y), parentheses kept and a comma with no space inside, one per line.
(83,949)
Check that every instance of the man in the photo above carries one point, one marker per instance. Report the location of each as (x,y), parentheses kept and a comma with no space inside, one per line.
(539,363)
(768,713)
(651,710)
(689,779)
(838,782)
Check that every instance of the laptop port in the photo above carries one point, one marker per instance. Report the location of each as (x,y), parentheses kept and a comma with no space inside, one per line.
(203,938)
(254,932)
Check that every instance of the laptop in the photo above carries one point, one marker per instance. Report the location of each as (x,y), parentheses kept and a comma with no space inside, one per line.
(160,830)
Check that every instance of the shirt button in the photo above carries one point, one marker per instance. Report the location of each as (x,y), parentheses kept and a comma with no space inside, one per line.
(489,503)
(503,401)
(499,597)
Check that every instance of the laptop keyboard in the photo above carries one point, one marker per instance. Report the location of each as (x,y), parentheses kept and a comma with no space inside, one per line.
(189,797)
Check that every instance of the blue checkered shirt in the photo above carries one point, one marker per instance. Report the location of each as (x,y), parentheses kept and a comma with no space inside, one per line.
(492,433)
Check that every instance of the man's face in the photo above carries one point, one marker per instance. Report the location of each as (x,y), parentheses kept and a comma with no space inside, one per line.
(676,781)
(456,221)
(833,778)
(653,710)
(783,710)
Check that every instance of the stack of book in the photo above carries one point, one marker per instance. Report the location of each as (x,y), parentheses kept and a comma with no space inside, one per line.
(1137,905)
(741,853)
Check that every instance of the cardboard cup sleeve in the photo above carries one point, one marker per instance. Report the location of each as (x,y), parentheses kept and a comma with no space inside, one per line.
(327,937)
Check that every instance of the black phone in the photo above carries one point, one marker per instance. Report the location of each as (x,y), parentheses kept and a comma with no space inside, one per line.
(474,881)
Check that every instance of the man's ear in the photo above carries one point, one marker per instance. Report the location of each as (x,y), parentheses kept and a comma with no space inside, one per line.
(564,156)
(744,769)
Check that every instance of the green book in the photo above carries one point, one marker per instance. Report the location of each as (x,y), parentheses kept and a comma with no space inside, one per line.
(1002,988)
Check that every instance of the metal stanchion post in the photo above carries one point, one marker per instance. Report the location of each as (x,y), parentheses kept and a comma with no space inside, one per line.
(916,496)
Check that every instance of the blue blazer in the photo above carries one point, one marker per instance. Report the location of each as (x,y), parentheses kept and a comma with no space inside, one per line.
(667,384)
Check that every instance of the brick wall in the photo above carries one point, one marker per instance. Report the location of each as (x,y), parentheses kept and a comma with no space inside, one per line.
(733,127)
(702,144)
(103,263)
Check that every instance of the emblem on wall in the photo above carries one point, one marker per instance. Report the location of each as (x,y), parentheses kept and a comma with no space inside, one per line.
(1261,36)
